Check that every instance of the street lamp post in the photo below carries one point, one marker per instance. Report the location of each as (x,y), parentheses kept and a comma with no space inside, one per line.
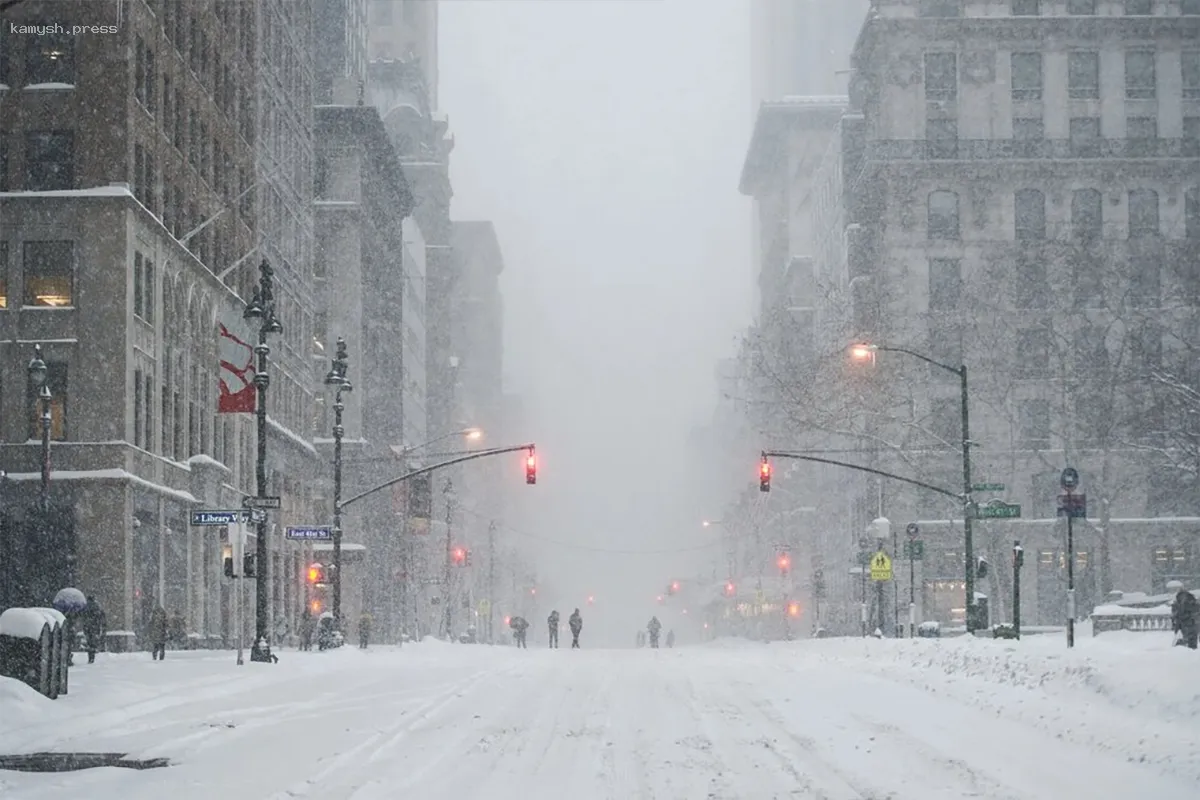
(262,308)
(338,380)
(866,352)
(38,377)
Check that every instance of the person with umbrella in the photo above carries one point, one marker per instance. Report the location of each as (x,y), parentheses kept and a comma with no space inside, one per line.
(519,626)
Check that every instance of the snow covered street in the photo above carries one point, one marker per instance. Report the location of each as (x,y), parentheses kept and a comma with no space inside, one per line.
(838,719)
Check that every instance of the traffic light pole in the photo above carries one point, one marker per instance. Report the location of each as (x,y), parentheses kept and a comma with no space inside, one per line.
(495,451)
(491,581)
(860,468)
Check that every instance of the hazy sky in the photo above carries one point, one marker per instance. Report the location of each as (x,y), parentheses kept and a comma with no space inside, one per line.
(605,138)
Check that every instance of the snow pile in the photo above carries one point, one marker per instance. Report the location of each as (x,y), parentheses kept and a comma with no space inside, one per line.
(1133,695)
(24,623)
(23,706)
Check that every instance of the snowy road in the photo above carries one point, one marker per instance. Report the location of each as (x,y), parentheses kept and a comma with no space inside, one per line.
(745,722)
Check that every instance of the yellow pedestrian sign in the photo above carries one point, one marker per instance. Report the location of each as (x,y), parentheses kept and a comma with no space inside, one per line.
(881,567)
(485,607)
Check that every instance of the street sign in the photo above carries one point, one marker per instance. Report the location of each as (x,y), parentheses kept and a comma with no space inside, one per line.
(216,517)
(864,557)
(314,533)
(914,550)
(912,530)
(260,502)
(998,509)
(761,597)
(1072,505)
(485,607)
(881,567)
(987,487)
(1069,479)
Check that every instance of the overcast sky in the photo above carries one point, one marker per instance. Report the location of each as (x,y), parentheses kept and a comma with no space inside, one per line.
(605,138)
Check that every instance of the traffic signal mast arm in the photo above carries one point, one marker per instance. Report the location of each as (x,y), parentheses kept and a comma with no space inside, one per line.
(495,451)
(802,457)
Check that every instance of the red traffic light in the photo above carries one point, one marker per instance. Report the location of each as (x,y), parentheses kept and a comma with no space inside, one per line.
(591,599)
(764,475)
(674,586)
(531,468)
(459,555)
(729,588)
(784,561)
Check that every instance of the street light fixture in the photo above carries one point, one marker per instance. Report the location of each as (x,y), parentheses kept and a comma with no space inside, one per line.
(37,377)
(864,351)
(340,383)
(262,308)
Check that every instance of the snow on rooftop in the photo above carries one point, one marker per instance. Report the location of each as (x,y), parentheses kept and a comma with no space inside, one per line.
(49,86)
(105,474)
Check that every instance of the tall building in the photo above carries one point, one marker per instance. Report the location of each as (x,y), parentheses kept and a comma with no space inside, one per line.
(1029,206)
(132,219)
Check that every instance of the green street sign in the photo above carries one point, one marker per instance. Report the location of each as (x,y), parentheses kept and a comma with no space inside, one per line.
(864,558)
(914,550)
(999,510)
(987,487)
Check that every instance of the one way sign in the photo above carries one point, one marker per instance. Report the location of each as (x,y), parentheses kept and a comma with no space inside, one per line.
(881,567)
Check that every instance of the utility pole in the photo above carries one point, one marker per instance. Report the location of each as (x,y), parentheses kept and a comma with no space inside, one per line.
(491,581)
(896,586)
(968,501)
(447,616)
(337,379)
(1018,562)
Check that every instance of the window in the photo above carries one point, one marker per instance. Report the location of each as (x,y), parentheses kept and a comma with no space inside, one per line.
(1033,353)
(1191,136)
(1191,214)
(49,269)
(56,380)
(138,414)
(1034,424)
(50,58)
(1029,136)
(941,138)
(1027,76)
(1145,281)
(1139,74)
(5,67)
(940,8)
(1081,8)
(1032,282)
(1139,8)
(1026,8)
(1085,137)
(1092,416)
(945,283)
(143,287)
(1143,213)
(1189,63)
(1087,213)
(3,162)
(1087,279)
(1189,7)
(1141,135)
(49,160)
(1083,75)
(943,215)
(941,76)
(1030,216)
(3,274)
(139,70)
(945,421)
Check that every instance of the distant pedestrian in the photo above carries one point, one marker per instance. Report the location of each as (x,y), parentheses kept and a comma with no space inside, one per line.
(94,624)
(364,630)
(520,626)
(1185,617)
(575,623)
(306,629)
(552,621)
(158,633)
(653,627)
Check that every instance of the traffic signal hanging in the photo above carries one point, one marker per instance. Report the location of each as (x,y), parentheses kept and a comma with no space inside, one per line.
(764,475)
(785,562)
(316,575)
(459,556)
(531,468)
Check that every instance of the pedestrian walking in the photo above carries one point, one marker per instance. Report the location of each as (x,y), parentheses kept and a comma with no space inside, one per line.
(575,623)
(520,626)
(364,630)
(1185,618)
(94,625)
(653,628)
(552,621)
(159,627)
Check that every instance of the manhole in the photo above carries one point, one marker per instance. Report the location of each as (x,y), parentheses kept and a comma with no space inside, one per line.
(70,762)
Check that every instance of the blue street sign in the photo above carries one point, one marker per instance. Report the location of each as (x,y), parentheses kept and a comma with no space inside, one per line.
(315,533)
(216,517)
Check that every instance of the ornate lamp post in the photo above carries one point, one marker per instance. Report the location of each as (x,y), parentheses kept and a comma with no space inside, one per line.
(340,383)
(37,377)
(262,308)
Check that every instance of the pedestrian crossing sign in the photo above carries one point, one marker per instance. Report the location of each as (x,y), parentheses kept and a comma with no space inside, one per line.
(881,567)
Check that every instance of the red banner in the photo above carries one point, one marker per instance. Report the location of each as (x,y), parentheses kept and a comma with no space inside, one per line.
(237,367)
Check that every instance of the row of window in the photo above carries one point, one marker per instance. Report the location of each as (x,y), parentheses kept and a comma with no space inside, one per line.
(49,274)
(1087,214)
(1083,75)
(1075,8)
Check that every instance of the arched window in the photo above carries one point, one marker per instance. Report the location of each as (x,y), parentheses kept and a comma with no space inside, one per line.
(943,215)
(1143,213)
(1029,206)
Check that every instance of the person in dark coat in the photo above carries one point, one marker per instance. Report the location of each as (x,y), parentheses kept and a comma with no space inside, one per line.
(364,630)
(94,624)
(575,623)
(1185,617)
(552,621)
(519,625)
(653,628)
(158,633)
(307,626)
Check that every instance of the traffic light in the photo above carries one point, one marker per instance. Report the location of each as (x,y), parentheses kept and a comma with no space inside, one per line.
(316,575)
(793,609)
(785,562)
(467,561)
(730,588)
(591,599)
(315,606)
(229,566)
(459,556)
(248,565)
(764,475)
(661,600)
(531,468)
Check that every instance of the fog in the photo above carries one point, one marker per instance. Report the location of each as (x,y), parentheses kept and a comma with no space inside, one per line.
(605,140)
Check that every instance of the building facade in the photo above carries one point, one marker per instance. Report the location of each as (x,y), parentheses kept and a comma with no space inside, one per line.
(1028,207)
